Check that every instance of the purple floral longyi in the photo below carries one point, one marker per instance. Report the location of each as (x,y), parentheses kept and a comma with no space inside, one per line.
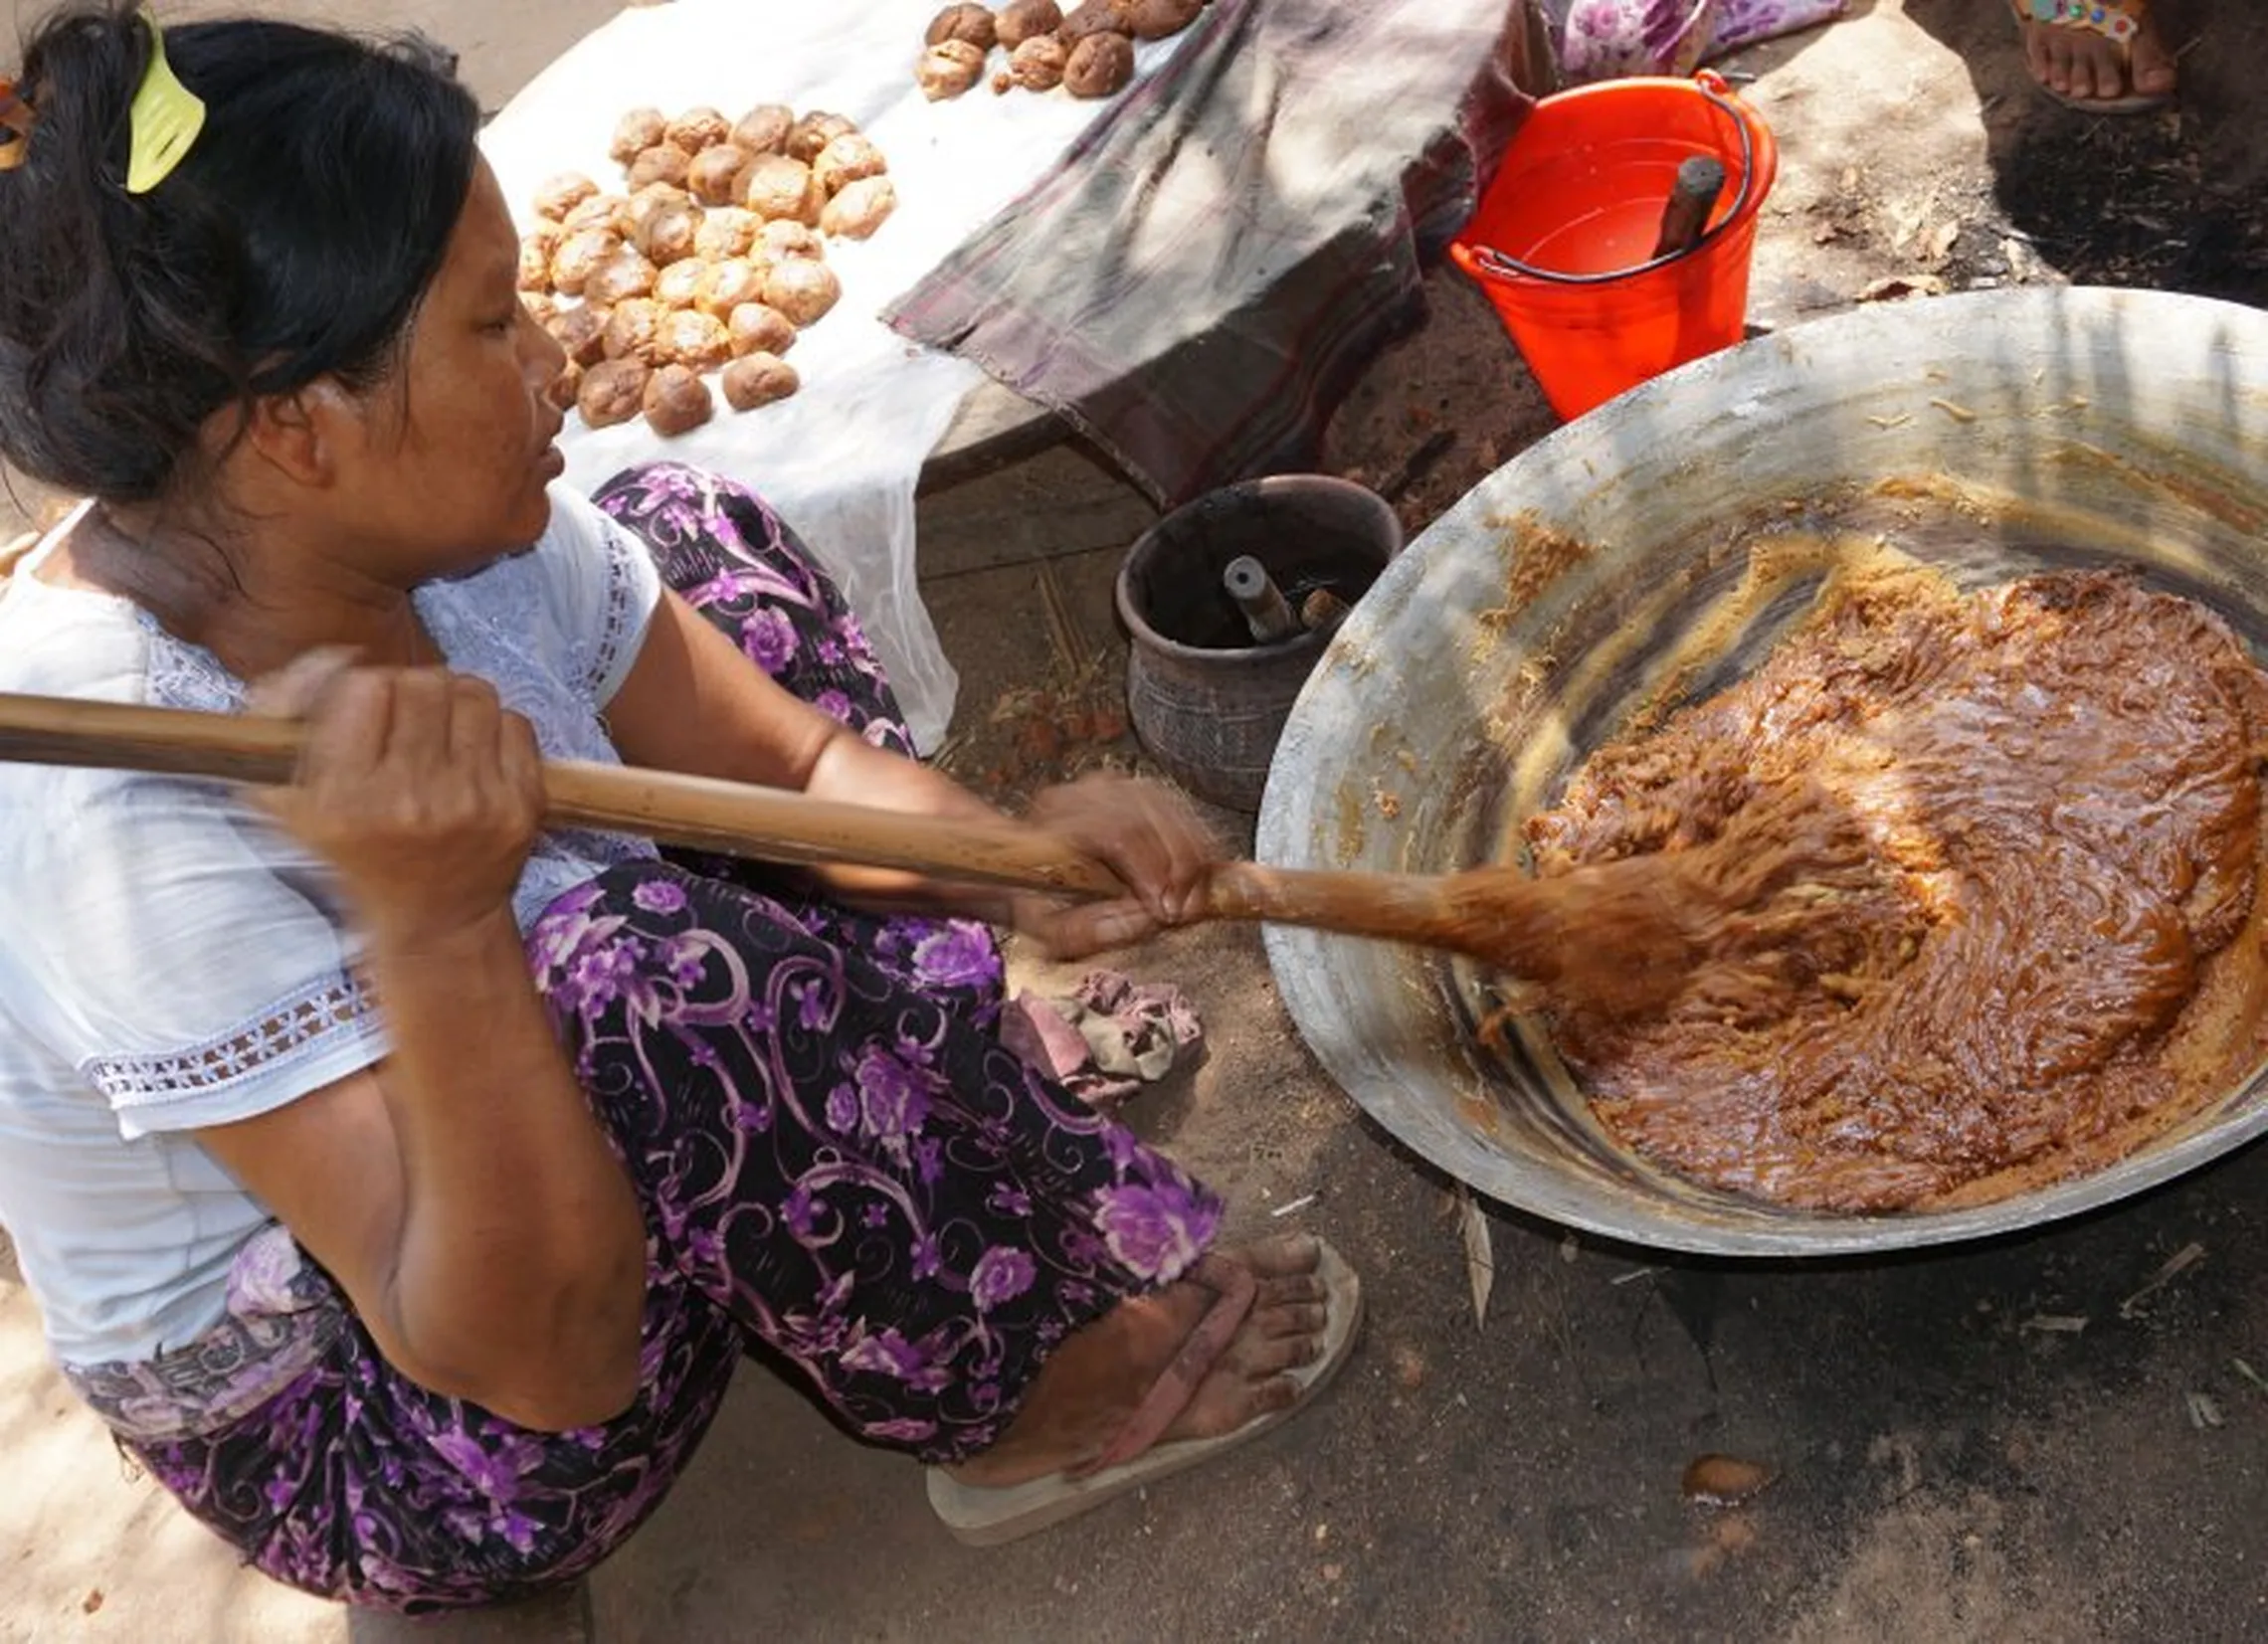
(842,1170)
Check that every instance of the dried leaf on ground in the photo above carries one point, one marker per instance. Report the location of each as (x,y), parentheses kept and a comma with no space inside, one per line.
(1890,288)
(1480,1254)
(1725,1481)
(2178,1263)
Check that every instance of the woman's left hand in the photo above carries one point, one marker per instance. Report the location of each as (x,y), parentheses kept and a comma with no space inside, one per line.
(1145,833)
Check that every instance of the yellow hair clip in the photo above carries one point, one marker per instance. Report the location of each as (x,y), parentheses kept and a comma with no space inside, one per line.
(15,127)
(164,121)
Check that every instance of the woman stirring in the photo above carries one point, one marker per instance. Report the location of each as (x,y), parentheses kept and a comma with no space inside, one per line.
(403,1183)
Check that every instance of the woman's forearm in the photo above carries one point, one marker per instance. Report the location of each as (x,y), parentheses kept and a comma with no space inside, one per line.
(851,770)
(692,702)
(519,1265)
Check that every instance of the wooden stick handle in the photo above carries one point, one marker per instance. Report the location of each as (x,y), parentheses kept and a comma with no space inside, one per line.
(1700,181)
(1496,914)
(737,819)
(1399,906)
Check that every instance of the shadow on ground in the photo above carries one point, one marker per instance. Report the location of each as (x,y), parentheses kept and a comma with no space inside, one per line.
(2024,1441)
(2171,199)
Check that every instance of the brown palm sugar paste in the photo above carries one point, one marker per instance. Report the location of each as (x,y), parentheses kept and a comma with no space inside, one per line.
(2051,956)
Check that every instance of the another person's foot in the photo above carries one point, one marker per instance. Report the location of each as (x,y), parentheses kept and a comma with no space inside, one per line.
(2105,57)
(1088,1390)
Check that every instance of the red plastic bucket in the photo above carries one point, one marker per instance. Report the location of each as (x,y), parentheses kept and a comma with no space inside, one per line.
(1563,242)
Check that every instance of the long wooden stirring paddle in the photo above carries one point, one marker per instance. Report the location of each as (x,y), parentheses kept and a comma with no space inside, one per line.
(1616,936)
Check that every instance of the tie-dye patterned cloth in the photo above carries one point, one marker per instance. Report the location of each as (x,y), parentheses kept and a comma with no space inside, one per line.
(1216,262)
(1614,39)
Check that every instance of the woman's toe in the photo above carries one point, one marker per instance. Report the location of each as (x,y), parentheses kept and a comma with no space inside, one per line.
(2110,66)
(1299,1319)
(2035,52)
(1279,1394)
(1290,1256)
(1290,1290)
(2155,74)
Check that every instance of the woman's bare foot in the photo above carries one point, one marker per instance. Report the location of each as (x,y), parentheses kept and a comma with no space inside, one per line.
(1084,1393)
(2084,65)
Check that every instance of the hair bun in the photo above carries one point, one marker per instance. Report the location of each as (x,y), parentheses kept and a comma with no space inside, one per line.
(257,265)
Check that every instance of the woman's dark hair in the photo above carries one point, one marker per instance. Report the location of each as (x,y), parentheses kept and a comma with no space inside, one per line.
(294,241)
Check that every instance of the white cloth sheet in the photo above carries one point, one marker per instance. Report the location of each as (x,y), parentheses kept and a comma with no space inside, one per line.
(838,460)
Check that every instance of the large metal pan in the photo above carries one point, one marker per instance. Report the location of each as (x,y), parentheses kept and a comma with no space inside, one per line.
(1995,434)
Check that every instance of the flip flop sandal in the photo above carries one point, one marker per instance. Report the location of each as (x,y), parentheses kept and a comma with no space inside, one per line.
(2121,20)
(979,1515)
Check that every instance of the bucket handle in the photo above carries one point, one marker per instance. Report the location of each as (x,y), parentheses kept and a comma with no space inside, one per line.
(1710,86)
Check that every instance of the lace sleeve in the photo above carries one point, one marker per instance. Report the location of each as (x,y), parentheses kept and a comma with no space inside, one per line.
(602,587)
(175,948)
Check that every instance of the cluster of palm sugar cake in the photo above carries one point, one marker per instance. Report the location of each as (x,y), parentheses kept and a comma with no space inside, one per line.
(1087,50)
(2052,956)
(712,260)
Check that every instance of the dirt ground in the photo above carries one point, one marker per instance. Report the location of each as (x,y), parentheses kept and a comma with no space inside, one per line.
(2054,1438)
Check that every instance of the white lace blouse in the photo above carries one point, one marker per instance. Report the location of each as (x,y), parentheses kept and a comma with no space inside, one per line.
(169,960)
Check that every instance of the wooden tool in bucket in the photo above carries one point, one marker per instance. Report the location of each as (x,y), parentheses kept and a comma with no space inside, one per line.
(1616,936)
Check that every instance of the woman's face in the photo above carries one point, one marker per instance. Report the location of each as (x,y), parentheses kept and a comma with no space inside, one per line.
(455,449)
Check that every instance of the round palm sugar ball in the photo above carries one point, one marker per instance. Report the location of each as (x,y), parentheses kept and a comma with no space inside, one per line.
(559,195)
(578,255)
(803,288)
(633,332)
(814,132)
(662,163)
(599,211)
(949,70)
(679,285)
(1158,19)
(649,200)
(692,339)
(969,23)
(847,159)
(758,380)
(759,328)
(676,401)
(566,388)
(764,128)
(787,238)
(582,334)
(861,209)
(612,392)
(728,230)
(713,172)
(1022,20)
(698,129)
(1100,66)
(1037,64)
(535,253)
(776,187)
(668,234)
(620,277)
(725,285)
(1091,17)
(635,132)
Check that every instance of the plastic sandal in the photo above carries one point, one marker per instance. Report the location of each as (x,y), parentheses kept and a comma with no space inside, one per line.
(979,1515)
(2118,20)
